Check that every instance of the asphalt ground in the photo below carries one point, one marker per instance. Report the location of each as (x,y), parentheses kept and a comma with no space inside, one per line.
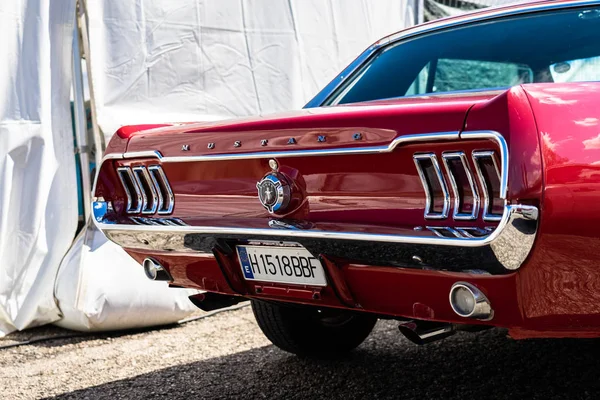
(227,357)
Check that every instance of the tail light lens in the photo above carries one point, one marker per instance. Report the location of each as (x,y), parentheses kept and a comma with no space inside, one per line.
(489,178)
(147,190)
(467,197)
(437,201)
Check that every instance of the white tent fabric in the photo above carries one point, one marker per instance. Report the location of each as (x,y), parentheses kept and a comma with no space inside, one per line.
(165,60)
(100,288)
(38,189)
(189,60)
(152,61)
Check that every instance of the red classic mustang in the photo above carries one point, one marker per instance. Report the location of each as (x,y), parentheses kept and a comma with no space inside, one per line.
(448,178)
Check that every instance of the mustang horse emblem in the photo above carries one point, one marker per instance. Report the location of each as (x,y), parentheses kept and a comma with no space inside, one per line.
(274,192)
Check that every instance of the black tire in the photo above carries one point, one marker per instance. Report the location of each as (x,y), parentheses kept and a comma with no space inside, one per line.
(312,332)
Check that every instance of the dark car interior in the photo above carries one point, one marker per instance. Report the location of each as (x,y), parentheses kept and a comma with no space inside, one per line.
(496,54)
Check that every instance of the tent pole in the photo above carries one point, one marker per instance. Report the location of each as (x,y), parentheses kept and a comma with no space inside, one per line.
(85,44)
(80,123)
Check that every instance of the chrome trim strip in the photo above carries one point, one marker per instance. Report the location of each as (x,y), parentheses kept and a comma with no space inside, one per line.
(151,172)
(429,201)
(511,212)
(438,229)
(433,27)
(142,154)
(127,171)
(302,153)
(504,156)
(152,169)
(141,173)
(168,203)
(417,138)
(487,197)
(466,231)
(456,214)
(510,242)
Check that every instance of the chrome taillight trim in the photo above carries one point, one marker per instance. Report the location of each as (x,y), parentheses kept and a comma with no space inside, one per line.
(475,232)
(504,156)
(487,197)
(429,201)
(439,231)
(470,232)
(123,172)
(149,200)
(456,214)
(148,183)
(165,205)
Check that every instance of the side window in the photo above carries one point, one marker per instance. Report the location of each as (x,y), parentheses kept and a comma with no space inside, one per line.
(483,55)
(453,74)
(419,85)
(584,69)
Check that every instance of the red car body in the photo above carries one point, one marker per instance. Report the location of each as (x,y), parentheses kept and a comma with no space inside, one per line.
(358,204)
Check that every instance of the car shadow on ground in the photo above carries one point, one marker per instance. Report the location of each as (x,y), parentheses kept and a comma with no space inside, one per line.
(485,365)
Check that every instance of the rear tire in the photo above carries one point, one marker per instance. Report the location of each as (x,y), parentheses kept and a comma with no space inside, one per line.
(312,332)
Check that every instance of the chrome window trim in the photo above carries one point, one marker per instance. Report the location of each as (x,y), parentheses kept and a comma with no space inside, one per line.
(487,200)
(486,15)
(138,173)
(456,214)
(428,200)
(128,194)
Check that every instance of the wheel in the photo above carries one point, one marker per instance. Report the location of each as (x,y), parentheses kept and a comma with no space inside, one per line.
(312,332)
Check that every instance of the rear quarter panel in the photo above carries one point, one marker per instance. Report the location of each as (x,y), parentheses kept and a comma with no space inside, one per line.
(560,285)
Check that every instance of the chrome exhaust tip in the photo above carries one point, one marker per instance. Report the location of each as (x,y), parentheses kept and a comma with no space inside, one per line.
(423,332)
(155,271)
(469,302)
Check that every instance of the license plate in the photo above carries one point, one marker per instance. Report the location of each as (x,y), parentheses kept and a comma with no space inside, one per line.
(294,265)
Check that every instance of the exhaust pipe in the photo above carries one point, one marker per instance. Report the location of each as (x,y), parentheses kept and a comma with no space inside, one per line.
(155,271)
(423,332)
(214,301)
(468,301)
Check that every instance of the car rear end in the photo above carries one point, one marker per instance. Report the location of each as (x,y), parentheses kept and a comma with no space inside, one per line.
(391,208)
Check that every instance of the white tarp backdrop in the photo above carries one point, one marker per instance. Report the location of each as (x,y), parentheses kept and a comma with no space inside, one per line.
(99,287)
(152,61)
(190,60)
(38,190)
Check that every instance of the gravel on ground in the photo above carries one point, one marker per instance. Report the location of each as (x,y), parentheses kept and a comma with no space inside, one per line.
(226,357)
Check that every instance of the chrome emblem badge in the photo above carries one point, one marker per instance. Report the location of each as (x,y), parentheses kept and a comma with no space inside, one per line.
(274,192)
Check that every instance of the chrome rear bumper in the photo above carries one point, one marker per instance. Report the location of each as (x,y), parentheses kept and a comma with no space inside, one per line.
(501,251)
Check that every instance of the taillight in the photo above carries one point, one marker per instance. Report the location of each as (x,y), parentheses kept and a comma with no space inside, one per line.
(488,172)
(464,188)
(147,190)
(465,196)
(437,201)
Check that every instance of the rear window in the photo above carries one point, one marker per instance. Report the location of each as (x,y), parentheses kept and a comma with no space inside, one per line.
(558,46)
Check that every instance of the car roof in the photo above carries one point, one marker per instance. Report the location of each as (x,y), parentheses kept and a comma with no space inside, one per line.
(487,13)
